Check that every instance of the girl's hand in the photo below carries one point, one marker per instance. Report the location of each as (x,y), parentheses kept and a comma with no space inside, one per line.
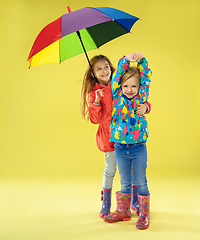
(141,109)
(97,99)
(134,57)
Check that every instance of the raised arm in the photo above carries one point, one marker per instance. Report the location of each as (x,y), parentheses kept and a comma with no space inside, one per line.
(145,73)
(123,64)
(145,78)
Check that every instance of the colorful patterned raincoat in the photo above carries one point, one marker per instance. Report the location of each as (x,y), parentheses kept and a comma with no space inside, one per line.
(126,126)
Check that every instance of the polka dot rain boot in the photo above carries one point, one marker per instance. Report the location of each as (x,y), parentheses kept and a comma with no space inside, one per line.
(106,204)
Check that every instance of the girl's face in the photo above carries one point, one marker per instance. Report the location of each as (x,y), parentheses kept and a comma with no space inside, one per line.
(130,87)
(102,71)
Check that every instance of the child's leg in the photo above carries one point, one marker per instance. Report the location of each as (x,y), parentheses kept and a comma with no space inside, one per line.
(139,169)
(134,201)
(110,170)
(124,166)
(139,160)
(109,173)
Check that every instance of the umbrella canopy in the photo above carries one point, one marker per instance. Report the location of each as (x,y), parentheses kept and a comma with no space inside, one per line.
(59,41)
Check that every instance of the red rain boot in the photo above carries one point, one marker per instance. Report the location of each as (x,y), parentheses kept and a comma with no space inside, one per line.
(122,212)
(144,213)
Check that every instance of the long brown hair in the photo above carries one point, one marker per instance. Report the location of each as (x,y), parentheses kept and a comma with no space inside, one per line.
(88,84)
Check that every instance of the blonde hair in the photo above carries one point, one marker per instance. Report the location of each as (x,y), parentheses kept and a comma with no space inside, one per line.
(130,72)
(88,84)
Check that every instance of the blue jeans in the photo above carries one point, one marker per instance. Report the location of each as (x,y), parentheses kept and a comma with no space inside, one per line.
(134,156)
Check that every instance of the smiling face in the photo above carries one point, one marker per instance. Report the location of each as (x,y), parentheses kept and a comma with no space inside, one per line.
(102,71)
(130,87)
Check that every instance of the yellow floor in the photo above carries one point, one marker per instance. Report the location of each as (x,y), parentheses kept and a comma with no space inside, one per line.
(55,210)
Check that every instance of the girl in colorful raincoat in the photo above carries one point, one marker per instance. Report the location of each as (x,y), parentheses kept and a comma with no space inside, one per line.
(129,132)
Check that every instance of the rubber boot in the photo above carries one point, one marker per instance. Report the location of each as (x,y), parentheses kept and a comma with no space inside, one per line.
(122,212)
(144,213)
(134,202)
(106,204)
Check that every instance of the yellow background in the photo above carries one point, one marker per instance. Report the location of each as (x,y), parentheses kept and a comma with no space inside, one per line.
(42,135)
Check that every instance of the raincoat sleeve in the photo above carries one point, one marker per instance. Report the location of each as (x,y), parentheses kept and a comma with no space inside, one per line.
(94,110)
(149,107)
(123,64)
(145,79)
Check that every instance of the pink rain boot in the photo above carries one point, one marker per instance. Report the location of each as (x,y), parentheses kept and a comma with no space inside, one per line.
(122,212)
(144,213)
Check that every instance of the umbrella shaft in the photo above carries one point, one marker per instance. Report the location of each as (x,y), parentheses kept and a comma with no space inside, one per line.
(79,35)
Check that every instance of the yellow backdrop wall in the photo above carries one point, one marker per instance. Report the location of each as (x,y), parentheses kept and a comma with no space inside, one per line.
(42,134)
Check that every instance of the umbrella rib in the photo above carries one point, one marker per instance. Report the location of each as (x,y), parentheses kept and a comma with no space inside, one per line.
(123,26)
(60,50)
(91,37)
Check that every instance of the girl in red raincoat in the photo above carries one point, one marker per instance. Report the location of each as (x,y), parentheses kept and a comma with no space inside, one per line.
(96,105)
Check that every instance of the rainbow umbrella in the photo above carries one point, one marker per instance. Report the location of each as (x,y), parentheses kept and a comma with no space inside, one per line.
(77,32)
